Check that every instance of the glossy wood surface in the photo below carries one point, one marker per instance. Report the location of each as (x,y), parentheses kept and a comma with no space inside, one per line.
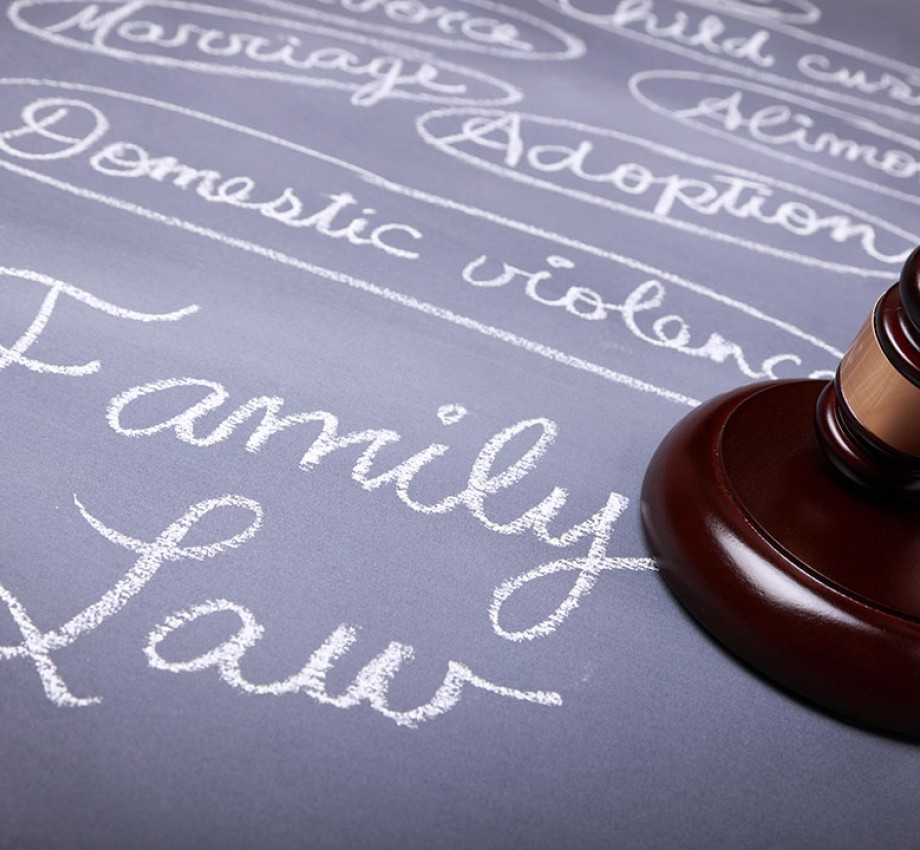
(814,581)
(879,451)
(854,450)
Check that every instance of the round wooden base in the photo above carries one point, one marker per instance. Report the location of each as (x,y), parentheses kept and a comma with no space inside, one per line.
(811,580)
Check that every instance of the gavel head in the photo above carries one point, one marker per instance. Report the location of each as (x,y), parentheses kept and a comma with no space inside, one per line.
(868,417)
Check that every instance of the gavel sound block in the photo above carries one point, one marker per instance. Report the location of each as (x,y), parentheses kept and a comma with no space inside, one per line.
(786,518)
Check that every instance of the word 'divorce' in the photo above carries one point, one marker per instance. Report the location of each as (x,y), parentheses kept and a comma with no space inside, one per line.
(370,685)
(231,42)
(484,30)
(497,468)
(481,26)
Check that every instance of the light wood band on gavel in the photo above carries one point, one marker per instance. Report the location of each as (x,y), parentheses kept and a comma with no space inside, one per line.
(868,418)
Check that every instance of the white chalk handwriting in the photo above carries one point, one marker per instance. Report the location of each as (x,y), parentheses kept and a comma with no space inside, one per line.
(487,477)
(236,43)
(838,144)
(370,685)
(767,50)
(339,216)
(640,178)
(29,154)
(670,330)
(851,77)
(16,353)
(785,11)
(477,25)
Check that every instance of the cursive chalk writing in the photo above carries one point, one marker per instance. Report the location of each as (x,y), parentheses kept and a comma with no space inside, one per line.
(481,29)
(817,66)
(779,124)
(259,47)
(709,34)
(38,646)
(479,224)
(667,331)
(335,220)
(16,353)
(640,178)
(486,480)
(481,26)
(814,64)
(804,61)
(772,121)
(370,684)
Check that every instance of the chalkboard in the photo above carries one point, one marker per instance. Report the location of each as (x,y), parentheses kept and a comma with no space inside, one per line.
(335,338)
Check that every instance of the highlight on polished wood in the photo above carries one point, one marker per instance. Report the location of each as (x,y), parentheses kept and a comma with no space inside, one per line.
(786,518)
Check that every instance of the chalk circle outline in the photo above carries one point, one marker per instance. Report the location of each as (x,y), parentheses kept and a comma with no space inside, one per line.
(510,93)
(865,125)
(574,47)
(422,197)
(428,137)
(804,11)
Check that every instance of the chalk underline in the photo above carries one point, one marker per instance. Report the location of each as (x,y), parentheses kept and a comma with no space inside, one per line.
(457,319)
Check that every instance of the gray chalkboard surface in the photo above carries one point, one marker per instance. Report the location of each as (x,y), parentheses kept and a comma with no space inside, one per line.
(335,338)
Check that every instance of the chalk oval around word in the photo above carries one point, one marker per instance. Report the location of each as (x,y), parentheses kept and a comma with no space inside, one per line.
(854,149)
(479,26)
(45,123)
(773,53)
(764,11)
(235,43)
(635,176)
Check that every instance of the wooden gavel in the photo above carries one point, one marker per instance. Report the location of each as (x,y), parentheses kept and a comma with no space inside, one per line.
(785,517)
(868,418)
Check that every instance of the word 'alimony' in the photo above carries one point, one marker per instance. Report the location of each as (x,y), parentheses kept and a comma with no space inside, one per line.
(811,135)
